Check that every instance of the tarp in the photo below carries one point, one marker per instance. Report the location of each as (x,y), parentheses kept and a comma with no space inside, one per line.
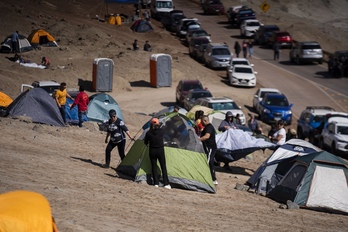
(234,144)
(37,104)
(5,100)
(72,115)
(187,164)
(25,211)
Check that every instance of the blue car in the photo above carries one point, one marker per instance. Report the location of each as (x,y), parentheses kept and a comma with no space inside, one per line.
(274,107)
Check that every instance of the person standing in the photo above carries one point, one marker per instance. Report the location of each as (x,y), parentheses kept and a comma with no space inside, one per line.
(276,50)
(279,136)
(209,144)
(82,102)
(237,48)
(60,96)
(245,48)
(198,122)
(154,139)
(253,124)
(135,45)
(251,48)
(147,46)
(15,42)
(116,130)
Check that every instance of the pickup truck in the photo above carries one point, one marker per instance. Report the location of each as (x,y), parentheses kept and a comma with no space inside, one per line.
(49,86)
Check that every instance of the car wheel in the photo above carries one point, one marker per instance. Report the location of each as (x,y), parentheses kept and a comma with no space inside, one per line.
(333,148)
(298,60)
(300,133)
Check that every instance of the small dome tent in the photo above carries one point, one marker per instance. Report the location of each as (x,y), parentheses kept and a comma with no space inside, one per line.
(42,38)
(23,44)
(141,25)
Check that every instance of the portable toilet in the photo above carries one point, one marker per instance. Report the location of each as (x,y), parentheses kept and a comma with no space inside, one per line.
(103,69)
(160,70)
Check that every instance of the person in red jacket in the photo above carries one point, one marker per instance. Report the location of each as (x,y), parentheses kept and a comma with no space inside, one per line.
(82,102)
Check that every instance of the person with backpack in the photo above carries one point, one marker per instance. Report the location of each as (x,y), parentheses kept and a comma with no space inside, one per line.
(116,130)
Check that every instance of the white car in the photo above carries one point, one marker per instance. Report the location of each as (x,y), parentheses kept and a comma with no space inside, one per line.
(260,93)
(222,104)
(249,27)
(242,75)
(334,136)
(235,61)
(50,86)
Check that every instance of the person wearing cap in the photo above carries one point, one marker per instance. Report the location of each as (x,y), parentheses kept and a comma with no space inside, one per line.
(209,144)
(279,136)
(226,124)
(154,139)
(116,130)
(292,134)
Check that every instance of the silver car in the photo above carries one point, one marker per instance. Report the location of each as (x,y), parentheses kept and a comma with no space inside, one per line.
(306,51)
(217,55)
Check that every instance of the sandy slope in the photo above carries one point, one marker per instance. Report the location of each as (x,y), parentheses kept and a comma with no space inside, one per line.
(63,163)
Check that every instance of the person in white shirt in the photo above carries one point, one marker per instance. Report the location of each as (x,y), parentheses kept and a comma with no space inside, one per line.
(279,136)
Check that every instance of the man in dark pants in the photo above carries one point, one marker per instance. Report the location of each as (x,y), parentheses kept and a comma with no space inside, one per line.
(154,138)
(116,130)
(208,138)
(276,49)
(81,101)
(15,42)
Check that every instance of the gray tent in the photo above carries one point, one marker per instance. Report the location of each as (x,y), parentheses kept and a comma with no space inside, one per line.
(37,104)
(99,106)
(23,43)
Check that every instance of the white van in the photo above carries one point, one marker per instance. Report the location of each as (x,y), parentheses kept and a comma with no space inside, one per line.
(161,7)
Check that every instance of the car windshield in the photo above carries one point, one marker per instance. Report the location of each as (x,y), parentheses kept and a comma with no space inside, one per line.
(243,70)
(270,29)
(50,89)
(342,130)
(200,95)
(264,93)
(240,62)
(199,33)
(284,34)
(319,118)
(223,106)
(253,24)
(277,101)
(192,86)
(311,46)
(166,4)
(221,51)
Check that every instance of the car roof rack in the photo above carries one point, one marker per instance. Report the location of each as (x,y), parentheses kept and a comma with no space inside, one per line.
(319,107)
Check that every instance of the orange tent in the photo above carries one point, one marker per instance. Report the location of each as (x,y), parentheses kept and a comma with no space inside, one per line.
(5,100)
(43,38)
(24,211)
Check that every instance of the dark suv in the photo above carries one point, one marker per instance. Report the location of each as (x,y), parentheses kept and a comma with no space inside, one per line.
(265,31)
(311,120)
(183,87)
(213,7)
(244,14)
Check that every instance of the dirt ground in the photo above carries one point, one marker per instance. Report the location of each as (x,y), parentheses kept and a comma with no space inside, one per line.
(63,164)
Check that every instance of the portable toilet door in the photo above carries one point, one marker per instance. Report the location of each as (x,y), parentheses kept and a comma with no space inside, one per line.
(160,70)
(103,69)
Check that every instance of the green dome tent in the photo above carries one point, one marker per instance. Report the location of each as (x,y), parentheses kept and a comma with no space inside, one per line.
(186,161)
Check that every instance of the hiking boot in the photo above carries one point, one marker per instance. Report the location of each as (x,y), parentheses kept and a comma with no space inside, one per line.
(215,182)
(105,166)
(168,186)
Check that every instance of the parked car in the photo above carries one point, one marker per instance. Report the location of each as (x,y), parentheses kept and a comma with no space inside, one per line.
(182,26)
(193,95)
(282,37)
(244,14)
(222,104)
(183,87)
(334,136)
(263,33)
(200,53)
(310,122)
(249,27)
(50,86)
(168,19)
(175,20)
(197,33)
(232,12)
(194,45)
(213,7)
(217,55)
(306,52)
(275,107)
(260,94)
(234,61)
(242,75)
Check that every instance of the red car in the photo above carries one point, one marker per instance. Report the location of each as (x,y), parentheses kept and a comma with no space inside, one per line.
(283,37)
(213,7)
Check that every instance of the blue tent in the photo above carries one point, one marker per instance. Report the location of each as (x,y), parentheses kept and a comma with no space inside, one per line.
(99,106)
(72,115)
